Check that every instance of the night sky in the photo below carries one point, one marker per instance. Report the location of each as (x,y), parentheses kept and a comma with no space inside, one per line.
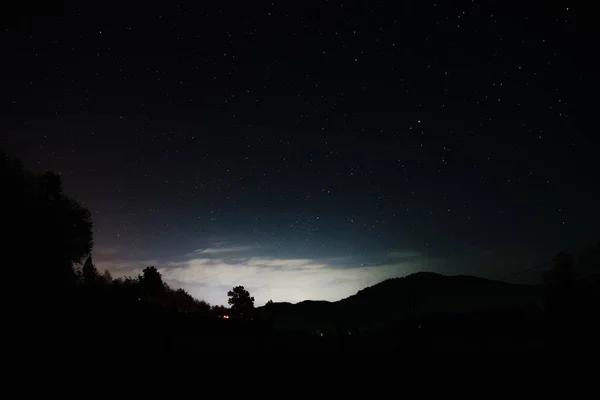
(307,151)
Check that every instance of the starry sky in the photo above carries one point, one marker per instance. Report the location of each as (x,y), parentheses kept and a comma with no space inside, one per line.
(308,150)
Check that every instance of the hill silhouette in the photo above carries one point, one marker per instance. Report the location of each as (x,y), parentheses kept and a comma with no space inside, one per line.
(415,296)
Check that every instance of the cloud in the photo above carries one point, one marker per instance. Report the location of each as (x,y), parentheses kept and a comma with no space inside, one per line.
(210,272)
(220,250)
(279,279)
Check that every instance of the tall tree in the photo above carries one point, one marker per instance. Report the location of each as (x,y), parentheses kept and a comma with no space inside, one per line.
(89,272)
(240,301)
(40,221)
(561,293)
(107,276)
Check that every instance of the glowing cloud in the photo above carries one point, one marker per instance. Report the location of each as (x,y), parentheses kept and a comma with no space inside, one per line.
(209,273)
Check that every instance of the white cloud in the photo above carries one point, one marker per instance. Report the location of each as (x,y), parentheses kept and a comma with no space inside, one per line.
(220,250)
(277,279)
(208,274)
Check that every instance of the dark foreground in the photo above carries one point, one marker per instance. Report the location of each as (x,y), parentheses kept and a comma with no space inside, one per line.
(117,323)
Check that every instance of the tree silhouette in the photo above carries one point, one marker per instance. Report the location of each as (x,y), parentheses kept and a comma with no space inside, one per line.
(202,307)
(107,277)
(562,274)
(219,310)
(127,286)
(38,219)
(151,276)
(89,272)
(182,301)
(152,286)
(561,293)
(65,224)
(240,301)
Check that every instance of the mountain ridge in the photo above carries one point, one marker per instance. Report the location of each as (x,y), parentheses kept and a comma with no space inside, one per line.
(412,296)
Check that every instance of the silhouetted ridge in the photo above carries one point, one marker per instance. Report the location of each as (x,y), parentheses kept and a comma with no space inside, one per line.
(416,295)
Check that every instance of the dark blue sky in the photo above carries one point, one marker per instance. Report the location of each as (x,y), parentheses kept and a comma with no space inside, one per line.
(306,152)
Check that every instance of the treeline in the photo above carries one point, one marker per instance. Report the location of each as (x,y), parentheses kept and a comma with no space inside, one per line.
(48,242)
(147,287)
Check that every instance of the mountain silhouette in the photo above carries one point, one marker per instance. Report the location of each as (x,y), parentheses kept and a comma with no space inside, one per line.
(394,300)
